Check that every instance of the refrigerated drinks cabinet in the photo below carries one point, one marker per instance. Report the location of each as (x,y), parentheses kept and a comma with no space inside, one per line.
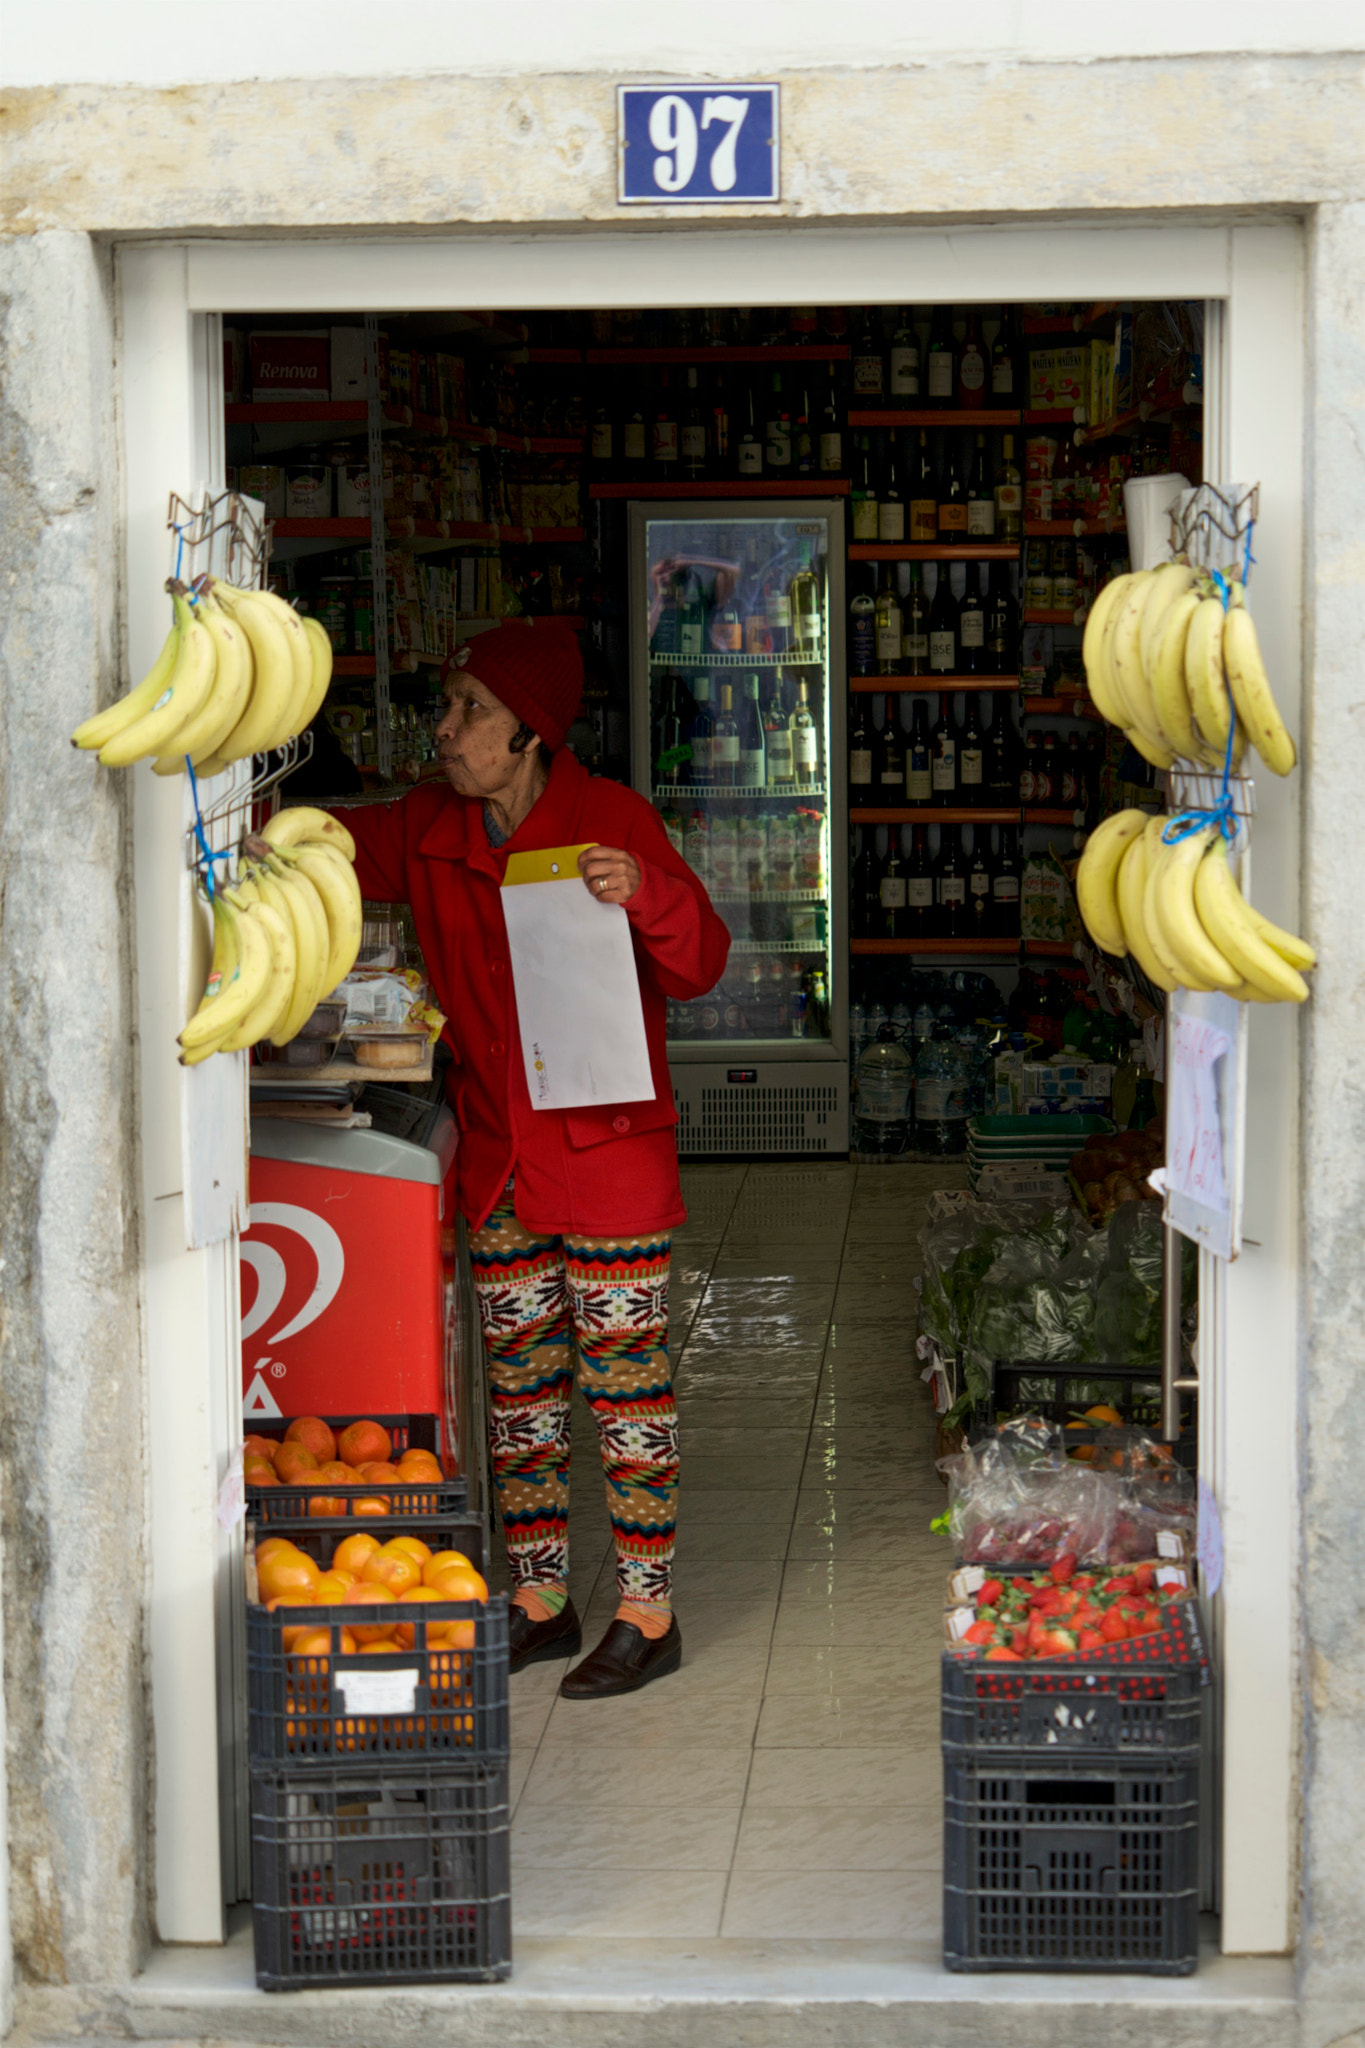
(736,633)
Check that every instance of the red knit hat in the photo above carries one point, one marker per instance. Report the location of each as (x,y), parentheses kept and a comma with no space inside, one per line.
(533,666)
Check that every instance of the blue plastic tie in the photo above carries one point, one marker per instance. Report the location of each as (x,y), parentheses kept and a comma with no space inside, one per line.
(1221,812)
(205,864)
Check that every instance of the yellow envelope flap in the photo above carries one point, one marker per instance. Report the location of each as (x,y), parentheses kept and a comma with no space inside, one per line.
(545,864)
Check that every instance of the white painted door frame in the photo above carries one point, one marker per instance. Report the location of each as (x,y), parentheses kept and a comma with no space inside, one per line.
(1254,422)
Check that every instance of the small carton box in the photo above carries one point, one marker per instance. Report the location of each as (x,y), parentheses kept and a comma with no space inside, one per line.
(1040,367)
(1070,368)
(291,364)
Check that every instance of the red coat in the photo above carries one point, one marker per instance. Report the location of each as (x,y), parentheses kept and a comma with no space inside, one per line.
(608,1171)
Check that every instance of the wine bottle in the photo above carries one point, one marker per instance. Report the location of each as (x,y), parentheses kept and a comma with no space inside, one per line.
(941,368)
(903,364)
(803,440)
(727,627)
(923,494)
(971,367)
(999,621)
(971,760)
(943,760)
(890,504)
(860,737)
(725,742)
(777,738)
(805,613)
(893,887)
(952,496)
(601,445)
(888,624)
(971,627)
(1004,359)
(866,886)
(691,618)
(831,433)
(692,440)
(702,734)
(868,381)
(943,627)
(749,452)
(719,427)
(864,494)
(1002,784)
(777,442)
(919,780)
(952,885)
(920,907)
(634,436)
(1009,495)
(805,739)
(862,630)
(1005,888)
(979,885)
(890,769)
(915,627)
(753,758)
(663,445)
(980,496)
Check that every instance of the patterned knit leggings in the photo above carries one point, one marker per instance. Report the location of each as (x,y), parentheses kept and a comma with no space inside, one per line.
(540,1300)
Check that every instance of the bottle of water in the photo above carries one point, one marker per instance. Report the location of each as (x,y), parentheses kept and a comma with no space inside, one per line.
(942,1087)
(857,1033)
(924,1022)
(885,1084)
(876,1017)
(900,1022)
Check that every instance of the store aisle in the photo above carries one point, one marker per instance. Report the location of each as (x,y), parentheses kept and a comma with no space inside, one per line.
(786,1781)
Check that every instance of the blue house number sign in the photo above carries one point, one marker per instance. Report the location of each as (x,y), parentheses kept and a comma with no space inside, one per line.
(697,145)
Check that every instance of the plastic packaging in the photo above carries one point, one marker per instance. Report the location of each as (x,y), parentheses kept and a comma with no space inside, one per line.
(1013,1498)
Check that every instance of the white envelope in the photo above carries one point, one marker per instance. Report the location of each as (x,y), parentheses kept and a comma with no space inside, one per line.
(578,993)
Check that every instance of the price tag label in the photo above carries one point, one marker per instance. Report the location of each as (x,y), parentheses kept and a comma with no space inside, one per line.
(697,145)
(378,1692)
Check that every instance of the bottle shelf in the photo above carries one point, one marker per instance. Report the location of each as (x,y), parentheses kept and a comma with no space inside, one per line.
(978,814)
(447,531)
(1058,707)
(560,356)
(936,814)
(962,949)
(932,551)
(768,895)
(1069,323)
(816,946)
(1055,416)
(927,686)
(1006,417)
(300,412)
(321,529)
(749,487)
(733,661)
(780,792)
(1055,618)
(1069,529)
(724,352)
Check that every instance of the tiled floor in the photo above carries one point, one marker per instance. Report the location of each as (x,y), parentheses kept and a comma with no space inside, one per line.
(786,1780)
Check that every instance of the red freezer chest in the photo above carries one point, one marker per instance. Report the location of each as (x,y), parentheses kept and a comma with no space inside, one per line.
(343,1294)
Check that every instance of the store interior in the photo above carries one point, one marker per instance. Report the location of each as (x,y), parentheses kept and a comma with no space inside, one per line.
(787,1779)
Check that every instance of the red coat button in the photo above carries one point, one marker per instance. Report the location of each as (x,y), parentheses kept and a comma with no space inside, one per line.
(497,1047)
(496,967)
(620,1124)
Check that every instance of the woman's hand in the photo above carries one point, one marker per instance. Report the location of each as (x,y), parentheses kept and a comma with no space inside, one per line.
(612,875)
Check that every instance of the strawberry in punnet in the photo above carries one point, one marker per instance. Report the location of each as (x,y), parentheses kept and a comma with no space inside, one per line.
(1089,1639)
(1065,1566)
(989,1595)
(1057,1642)
(1113,1629)
(1144,1576)
(1022,1585)
(1083,1581)
(980,1632)
(1000,1655)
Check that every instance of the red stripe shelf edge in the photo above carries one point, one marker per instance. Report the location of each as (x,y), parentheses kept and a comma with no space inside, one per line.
(821,352)
(978,949)
(932,551)
(928,686)
(1007,419)
(293,413)
(321,529)
(828,487)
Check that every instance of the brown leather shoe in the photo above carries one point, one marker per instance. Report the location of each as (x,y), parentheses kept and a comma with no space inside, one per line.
(623,1661)
(534,1642)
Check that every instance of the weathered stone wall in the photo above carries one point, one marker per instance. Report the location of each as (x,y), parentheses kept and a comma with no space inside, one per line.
(929,141)
(71,1430)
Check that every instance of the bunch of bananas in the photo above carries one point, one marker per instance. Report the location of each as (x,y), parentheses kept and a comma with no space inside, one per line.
(285,932)
(1177,909)
(240,672)
(1165,661)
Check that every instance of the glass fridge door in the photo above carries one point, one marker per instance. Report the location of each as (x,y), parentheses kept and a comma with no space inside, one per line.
(733,616)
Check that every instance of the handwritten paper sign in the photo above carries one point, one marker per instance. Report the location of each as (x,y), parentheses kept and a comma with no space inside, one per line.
(1205,1115)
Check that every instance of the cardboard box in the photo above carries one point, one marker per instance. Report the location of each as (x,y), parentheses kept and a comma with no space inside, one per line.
(289,366)
(349,368)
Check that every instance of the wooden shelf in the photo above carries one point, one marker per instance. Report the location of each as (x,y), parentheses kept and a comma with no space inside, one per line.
(757,487)
(1032,618)
(454,530)
(299,412)
(1006,418)
(1068,529)
(926,686)
(961,949)
(553,355)
(936,814)
(1055,416)
(340,1070)
(780,352)
(1059,707)
(1074,817)
(321,529)
(1069,323)
(933,551)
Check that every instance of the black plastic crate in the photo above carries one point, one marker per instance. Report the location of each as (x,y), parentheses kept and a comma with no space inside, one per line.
(319,1535)
(1062,1394)
(364,1877)
(1053,1865)
(994,1711)
(408,1432)
(433,1701)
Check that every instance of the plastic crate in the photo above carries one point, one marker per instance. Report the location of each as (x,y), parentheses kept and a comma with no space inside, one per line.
(319,1535)
(381,1878)
(408,1432)
(1053,1865)
(1062,1393)
(337,1706)
(1075,1709)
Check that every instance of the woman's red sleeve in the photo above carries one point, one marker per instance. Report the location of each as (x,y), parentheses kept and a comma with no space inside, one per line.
(671,916)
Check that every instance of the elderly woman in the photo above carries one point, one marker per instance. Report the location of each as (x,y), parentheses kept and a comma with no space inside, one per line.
(570,1210)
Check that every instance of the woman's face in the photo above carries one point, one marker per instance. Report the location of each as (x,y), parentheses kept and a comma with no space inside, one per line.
(472,739)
